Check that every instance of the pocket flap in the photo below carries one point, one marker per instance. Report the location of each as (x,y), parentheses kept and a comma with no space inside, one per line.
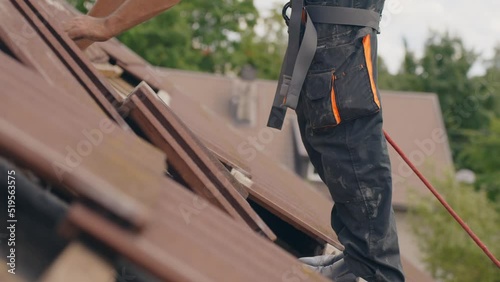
(318,85)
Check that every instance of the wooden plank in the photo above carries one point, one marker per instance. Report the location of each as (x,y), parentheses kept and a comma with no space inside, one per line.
(39,93)
(69,145)
(229,161)
(77,62)
(127,57)
(96,55)
(189,142)
(145,72)
(209,246)
(77,263)
(196,165)
(178,158)
(69,54)
(20,37)
(121,86)
(108,70)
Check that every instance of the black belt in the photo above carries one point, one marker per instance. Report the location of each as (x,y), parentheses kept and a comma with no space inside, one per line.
(300,53)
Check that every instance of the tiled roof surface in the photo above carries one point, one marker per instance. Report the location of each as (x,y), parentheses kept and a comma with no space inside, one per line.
(60,123)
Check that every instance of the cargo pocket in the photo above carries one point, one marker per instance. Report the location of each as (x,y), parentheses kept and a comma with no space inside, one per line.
(346,93)
(322,110)
(357,94)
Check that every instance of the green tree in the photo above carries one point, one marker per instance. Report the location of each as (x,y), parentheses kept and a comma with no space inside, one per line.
(449,253)
(385,79)
(471,106)
(490,82)
(444,69)
(407,77)
(196,35)
(481,152)
(446,65)
(265,52)
(482,156)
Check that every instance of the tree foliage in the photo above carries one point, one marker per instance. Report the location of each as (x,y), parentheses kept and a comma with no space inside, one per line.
(196,35)
(470,106)
(449,253)
(483,157)
(443,69)
(216,36)
(265,51)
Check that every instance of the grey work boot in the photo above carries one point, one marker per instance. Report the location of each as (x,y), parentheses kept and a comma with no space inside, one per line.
(321,260)
(332,267)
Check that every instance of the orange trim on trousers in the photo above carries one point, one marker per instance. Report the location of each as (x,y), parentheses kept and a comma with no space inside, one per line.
(367,45)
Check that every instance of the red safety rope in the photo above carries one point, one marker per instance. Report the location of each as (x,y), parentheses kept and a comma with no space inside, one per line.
(443,202)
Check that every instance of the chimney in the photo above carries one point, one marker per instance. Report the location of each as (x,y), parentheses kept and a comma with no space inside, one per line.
(244,97)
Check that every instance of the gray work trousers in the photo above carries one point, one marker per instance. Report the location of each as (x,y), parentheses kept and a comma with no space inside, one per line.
(340,118)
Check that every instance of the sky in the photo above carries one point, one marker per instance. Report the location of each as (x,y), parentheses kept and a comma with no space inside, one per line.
(476,22)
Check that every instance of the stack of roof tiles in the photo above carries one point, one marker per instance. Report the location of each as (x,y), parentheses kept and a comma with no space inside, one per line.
(112,183)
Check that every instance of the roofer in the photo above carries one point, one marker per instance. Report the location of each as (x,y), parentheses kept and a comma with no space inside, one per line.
(329,77)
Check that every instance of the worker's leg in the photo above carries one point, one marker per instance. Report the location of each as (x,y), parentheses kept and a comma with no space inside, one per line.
(354,161)
(352,156)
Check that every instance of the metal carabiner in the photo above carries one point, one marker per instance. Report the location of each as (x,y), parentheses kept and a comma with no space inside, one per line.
(283,13)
